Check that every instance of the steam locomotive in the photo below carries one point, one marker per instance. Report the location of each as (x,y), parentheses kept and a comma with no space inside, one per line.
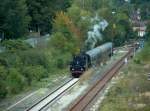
(93,57)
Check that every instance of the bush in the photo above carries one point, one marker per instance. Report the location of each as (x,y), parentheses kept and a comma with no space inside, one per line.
(34,73)
(3,75)
(62,60)
(3,91)
(3,60)
(9,60)
(21,65)
(34,57)
(60,63)
(13,45)
(15,81)
(143,56)
(137,61)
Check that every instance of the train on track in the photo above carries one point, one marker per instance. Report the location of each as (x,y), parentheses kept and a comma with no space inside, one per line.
(93,57)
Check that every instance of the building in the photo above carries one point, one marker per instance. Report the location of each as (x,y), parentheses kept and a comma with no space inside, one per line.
(138,25)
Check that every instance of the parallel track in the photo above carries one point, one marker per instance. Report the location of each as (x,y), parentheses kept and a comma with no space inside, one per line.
(52,96)
(85,100)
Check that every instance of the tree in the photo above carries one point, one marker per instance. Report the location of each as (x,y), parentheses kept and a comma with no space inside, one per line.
(65,30)
(81,19)
(43,13)
(64,24)
(148,31)
(89,5)
(14,19)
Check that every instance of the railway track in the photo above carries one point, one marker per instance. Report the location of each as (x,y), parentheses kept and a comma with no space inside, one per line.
(82,102)
(52,96)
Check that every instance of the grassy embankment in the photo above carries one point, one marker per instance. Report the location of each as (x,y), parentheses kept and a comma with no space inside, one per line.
(132,91)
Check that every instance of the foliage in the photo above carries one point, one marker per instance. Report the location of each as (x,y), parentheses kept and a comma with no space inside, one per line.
(43,12)
(59,42)
(19,16)
(81,18)
(90,5)
(21,65)
(33,57)
(13,45)
(131,91)
(34,73)
(64,24)
(143,6)
(119,30)
(148,31)
(3,75)
(68,21)
(65,35)
(144,54)
(15,81)
(14,19)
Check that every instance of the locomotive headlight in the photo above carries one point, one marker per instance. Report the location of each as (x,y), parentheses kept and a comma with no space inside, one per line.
(72,69)
(81,69)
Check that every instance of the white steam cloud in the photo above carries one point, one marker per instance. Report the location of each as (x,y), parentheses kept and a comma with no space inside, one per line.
(95,35)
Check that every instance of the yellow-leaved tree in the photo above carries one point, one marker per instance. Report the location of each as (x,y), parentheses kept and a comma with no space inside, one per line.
(70,33)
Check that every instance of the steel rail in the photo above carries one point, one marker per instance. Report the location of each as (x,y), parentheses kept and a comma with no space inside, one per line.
(34,105)
(57,96)
(85,100)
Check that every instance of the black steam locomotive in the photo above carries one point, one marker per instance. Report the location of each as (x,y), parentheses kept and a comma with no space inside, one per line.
(83,61)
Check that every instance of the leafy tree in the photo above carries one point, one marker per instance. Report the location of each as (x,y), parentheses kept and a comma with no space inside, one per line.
(64,24)
(61,43)
(81,19)
(90,5)
(14,19)
(43,12)
(65,30)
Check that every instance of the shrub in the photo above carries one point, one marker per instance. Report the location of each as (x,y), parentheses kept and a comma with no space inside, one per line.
(143,56)
(15,81)
(34,73)
(137,61)
(60,63)
(13,45)
(34,57)
(3,75)
(3,91)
